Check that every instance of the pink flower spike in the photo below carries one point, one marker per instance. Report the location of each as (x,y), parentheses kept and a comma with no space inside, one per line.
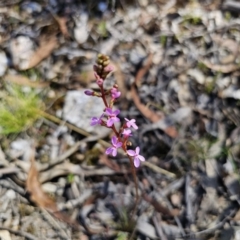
(131,123)
(115,145)
(127,133)
(112,116)
(137,158)
(96,121)
(115,93)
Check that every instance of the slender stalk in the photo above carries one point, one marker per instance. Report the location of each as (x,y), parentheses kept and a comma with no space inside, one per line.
(103,96)
(136,186)
(134,178)
(115,131)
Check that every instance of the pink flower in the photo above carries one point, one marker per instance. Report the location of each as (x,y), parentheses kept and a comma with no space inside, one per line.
(96,121)
(115,145)
(115,93)
(135,154)
(127,133)
(112,116)
(131,123)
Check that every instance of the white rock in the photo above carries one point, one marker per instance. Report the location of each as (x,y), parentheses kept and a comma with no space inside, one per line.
(10,194)
(237,234)
(198,75)
(79,109)
(230,92)
(146,229)
(3,63)
(49,187)
(5,235)
(21,147)
(81,31)
(21,49)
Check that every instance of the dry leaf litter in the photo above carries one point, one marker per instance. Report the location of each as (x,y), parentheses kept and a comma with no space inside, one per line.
(177,66)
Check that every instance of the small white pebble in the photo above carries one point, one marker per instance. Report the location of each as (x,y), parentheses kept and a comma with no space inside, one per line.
(10,194)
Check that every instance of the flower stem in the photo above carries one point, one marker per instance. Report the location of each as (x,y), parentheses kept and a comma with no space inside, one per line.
(136,186)
(103,97)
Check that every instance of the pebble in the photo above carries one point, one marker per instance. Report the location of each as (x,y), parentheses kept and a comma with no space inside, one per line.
(3,63)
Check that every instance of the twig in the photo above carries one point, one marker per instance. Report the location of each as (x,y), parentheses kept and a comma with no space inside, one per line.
(54,223)
(61,158)
(8,183)
(133,233)
(9,170)
(76,202)
(20,233)
(157,222)
(158,169)
(59,121)
(210,230)
(168,204)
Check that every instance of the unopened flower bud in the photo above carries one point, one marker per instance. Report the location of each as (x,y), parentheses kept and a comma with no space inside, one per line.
(99,81)
(89,92)
(115,93)
(100,61)
(95,68)
(105,63)
(96,75)
(104,75)
(109,68)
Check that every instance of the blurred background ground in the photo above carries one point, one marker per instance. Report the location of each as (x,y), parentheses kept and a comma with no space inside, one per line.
(177,66)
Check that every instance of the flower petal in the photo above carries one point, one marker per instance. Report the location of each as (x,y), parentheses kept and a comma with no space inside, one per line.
(116,112)
(134,126)
(136,162)
(131,153)
(114,152)
(118,145)
(93,121)
(108,111)
(110,122)
(109,150)
(114,140)
(141,158)
(116,119)
(137,150)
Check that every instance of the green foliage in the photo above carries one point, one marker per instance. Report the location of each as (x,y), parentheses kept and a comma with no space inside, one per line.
(228,16)
(200,149)
(126,223)
(70,178)
(192,19)
(122,236)
(210,85)
(32,73)
(163,40)
(92,156)
(102,29)
(18,110)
